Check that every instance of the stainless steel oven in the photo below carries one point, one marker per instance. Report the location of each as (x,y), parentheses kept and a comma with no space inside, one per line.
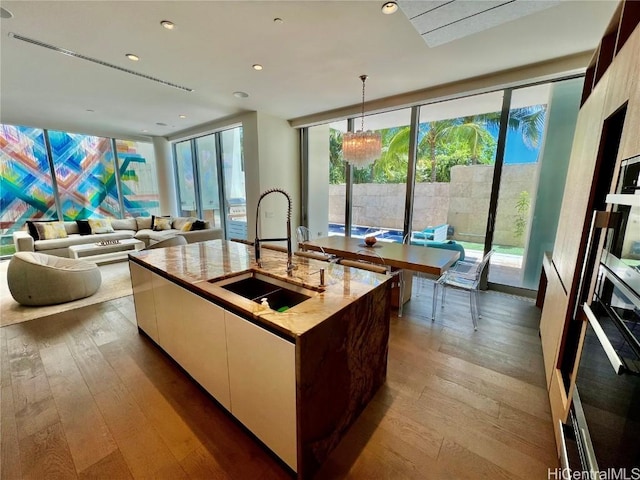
(602,433)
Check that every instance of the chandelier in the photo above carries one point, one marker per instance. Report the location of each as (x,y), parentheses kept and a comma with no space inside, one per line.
(361,148)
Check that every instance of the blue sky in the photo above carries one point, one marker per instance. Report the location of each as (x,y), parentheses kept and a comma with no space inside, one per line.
(516,151)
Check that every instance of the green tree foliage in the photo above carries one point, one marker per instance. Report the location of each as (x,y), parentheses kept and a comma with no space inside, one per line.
(441,145)
(522,214)
(336,162)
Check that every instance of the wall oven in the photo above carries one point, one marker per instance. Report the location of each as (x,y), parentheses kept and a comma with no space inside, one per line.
(602,433)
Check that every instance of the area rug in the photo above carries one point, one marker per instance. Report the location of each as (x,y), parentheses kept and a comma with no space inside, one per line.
(116,283)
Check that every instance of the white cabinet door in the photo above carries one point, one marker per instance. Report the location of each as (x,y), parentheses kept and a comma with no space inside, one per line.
(262,381)
(192,330)
(144,300)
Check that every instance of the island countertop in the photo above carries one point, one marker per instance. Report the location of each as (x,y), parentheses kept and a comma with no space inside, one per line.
(194,265)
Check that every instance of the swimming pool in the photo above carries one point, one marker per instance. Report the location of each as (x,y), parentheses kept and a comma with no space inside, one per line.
(359,231)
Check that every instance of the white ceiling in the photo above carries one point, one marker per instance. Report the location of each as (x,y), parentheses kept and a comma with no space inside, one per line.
(312,60)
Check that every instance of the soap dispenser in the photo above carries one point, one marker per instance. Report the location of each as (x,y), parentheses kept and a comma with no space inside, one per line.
(265,303)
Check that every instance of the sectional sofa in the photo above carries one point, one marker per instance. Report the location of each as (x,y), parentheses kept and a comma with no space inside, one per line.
(140,228)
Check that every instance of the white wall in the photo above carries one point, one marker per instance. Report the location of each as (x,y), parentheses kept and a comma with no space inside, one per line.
(318,181)
(271,149)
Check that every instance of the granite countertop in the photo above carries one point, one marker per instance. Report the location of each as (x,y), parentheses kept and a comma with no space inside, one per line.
(192,265)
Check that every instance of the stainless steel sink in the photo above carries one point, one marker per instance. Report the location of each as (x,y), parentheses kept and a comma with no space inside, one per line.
(255,286)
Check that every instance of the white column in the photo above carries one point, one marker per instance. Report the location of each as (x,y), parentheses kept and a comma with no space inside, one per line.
(166,177)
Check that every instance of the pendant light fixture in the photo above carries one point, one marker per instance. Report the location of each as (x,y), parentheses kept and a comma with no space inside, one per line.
(361,148)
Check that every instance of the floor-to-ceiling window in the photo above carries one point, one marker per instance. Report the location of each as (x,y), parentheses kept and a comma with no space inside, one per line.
(85,174)
(138,178)
(337,180)
(235,197)
(379,189)
(83,184)
(456,152)
(208,178)
(542,121)
(211,182)
(26,186)
(185,169)
(488,197)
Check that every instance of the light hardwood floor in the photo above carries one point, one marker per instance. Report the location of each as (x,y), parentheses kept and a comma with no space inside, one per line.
(83,395)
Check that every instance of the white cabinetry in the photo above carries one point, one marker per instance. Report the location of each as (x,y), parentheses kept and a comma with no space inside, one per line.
(249,370)
(144,299)
(192,330)
(262,381)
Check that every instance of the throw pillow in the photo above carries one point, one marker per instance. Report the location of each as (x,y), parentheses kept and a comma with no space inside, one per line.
(100,225)
(197,225)
(162,223)
(83,227)
(186,226)
(154,219)
(179,222)
(51,230)
(31,226)
(144,222)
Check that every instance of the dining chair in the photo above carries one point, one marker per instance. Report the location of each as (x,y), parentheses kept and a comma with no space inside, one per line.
(272,246)
(303,235)
(463,276)
(241,240)
(314,255)
(396,275)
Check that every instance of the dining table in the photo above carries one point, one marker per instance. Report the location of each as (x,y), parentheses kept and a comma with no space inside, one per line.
(399,256)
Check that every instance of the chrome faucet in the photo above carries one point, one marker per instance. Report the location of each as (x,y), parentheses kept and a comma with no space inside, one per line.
(288,238)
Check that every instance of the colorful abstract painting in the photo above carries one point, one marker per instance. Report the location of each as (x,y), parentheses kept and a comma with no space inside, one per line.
(85,176)
(138,178)
(26,189)
(85,173)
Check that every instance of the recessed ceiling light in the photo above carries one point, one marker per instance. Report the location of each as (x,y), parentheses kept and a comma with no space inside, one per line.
(240,94)
(389,7)
(169,25)
(182,116)
(257,66)
(4,13)
(278,20)
(145,130)
(133,57)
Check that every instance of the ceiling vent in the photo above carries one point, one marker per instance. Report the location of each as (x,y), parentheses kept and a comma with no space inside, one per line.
(99,62)
(441,21)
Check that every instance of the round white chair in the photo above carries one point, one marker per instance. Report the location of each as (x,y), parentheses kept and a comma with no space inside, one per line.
(37,279)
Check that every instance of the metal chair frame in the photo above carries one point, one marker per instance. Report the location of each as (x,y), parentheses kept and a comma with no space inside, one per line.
(459,278)
(396,275)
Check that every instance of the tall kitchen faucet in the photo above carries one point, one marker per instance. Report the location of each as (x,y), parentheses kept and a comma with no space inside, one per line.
(288,238)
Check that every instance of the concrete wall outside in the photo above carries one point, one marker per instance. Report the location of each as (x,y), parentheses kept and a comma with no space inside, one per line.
(463,203)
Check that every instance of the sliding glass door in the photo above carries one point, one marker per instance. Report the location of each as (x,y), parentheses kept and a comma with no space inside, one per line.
(211,183)
(538,145)
(208,185)
(456,154)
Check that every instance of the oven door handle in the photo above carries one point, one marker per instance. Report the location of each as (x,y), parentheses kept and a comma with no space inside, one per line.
(564,456)
(616,362)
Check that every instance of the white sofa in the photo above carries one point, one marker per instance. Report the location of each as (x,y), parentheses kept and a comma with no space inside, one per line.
(138,228)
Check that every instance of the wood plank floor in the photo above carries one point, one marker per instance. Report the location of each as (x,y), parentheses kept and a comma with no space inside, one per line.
(83,395)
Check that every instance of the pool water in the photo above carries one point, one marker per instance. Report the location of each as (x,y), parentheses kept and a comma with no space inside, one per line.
(358,231)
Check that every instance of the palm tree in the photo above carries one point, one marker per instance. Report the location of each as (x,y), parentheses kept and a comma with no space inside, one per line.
(336,162)
(470,131)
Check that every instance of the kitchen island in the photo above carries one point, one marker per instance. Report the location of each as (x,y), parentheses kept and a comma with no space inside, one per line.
(297,379)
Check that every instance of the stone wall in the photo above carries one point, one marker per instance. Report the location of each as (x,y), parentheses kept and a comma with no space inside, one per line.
(463,203)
